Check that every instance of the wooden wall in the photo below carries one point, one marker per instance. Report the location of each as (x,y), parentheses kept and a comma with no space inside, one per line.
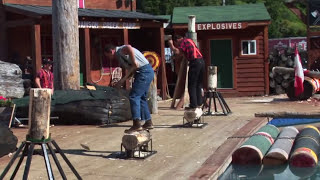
(250,73)
(91,4)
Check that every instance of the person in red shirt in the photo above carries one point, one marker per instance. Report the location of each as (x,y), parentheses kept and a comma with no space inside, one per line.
(44,78)
(186,47)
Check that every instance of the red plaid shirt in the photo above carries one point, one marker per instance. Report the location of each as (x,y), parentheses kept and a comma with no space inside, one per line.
(190,49)
(46,79)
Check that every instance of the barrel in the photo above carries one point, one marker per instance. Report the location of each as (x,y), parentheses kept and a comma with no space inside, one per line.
(306,147)
(253,150)
(280,150)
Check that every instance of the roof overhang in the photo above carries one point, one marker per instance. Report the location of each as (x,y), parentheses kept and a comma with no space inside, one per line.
(41,11)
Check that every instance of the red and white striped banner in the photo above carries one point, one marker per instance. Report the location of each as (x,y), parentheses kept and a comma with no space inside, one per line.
(81,4)
(299,75)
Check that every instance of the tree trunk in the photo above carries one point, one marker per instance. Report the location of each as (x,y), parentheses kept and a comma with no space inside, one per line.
(133,140)
(65,44)
(39,113)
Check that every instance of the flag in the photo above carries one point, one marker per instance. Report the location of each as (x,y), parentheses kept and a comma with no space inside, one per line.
(81,4)
(299,75)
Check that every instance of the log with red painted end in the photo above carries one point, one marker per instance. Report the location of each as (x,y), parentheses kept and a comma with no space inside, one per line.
(254,149)
(306,148)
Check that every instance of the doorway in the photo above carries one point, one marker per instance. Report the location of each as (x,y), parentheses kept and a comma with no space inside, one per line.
(221,56)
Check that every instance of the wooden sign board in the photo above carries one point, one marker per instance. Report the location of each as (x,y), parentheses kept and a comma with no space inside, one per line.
(6,115)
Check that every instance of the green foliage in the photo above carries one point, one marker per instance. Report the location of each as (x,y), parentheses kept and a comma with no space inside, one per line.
(284,23)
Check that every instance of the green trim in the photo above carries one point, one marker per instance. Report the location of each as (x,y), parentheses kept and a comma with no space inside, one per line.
(230,13)
(38,140)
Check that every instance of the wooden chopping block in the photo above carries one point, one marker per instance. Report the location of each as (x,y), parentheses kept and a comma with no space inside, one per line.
(192,114)
(133,140)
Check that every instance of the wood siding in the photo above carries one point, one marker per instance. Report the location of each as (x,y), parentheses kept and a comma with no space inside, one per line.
(250,72)
(90,4)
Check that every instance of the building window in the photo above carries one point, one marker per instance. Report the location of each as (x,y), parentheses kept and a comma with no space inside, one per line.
(248,47)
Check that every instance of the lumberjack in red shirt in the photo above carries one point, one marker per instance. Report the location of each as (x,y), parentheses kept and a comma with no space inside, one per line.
(186,47)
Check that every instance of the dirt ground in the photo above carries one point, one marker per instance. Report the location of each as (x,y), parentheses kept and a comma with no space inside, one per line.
(180,151)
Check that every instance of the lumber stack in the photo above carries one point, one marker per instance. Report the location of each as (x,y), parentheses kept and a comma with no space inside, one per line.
(279,81)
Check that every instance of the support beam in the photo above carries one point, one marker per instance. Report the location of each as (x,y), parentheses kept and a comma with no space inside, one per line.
(266,63)
(3,35)
(164,83)
(87,55)
(126,41)
(36,49)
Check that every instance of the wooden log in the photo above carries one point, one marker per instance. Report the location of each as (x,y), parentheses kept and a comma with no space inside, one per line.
(153,101)
(280,150)
(133,140)
(39,113)
(306,148)
(65,39)
(285,70)
(180,85)
(192,114)
(285,84)
(286,76)
(287,115)
(310,85)
(279,89)
(272,83)
(254,149)
(212,77)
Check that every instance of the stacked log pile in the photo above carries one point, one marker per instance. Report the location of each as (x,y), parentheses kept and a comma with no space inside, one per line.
(279,81)
(11,83)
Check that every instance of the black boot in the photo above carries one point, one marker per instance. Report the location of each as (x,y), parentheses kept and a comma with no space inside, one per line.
(148,125)
(135,127)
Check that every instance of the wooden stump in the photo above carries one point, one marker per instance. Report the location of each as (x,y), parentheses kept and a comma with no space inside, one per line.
(192,115)
(135,139)
(39,113)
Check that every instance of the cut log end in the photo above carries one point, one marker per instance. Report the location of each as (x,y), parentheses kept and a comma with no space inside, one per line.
(247,156)
(275,158)
(133,140)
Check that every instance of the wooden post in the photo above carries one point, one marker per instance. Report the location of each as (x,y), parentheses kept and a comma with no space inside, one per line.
(3,34)
(36,49)
(133,140)
(65,44)
(153,102)
(212,77)
(39,113)
(179,85)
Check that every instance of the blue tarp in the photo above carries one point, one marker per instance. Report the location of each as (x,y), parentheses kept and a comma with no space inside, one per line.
(292,121)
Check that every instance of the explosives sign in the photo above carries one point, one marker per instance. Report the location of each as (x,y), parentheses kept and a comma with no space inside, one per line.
(221,26)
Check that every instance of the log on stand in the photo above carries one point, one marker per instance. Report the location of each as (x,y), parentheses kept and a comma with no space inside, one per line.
(39,119)
(137,142)
(39,113)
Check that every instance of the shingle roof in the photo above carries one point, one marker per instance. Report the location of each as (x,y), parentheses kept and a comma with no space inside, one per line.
(47,10)
(230,13)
